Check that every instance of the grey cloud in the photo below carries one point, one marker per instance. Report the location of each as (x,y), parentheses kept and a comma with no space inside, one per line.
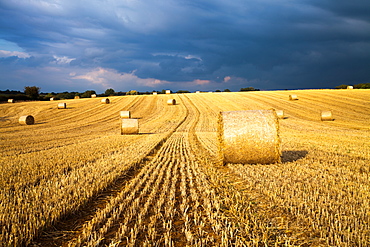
(276,44)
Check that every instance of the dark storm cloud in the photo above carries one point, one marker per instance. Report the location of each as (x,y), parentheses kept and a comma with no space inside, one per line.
(186,44)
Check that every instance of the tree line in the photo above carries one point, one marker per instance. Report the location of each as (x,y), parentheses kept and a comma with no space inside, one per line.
(356,86)
(33,93)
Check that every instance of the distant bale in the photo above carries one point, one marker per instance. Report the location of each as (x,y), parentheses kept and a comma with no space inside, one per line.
(168,91)
(105,101)
(93,96)
(51,99)
(11,100)
(293,97)
(62,105)
(154,93)
(27,120)
(171,102)
(326,116)
(250,137)
(125,114)
(77,97)
(197,92)
(129,126)
(349,87)
(280,114)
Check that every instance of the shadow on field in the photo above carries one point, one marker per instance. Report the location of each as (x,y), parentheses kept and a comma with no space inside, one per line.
(36,123)
(4,119)
(293,155)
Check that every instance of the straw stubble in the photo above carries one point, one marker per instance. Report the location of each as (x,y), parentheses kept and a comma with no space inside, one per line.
(249,137)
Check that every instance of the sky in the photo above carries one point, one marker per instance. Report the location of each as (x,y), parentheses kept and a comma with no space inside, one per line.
(146,45)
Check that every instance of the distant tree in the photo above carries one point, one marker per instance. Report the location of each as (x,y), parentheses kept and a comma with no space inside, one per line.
(48,96)
(227,90)
(183,91)
(88,93)
(132,92)
(362,86)
(120,93)
(218,91)
(33,92)
(343,86)
(246,89)
(65,95)
(109,92)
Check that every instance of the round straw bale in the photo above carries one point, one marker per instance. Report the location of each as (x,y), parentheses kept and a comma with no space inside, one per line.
(349,87)
(197,92)
(171,102)
(168,91)
(93,96)
(27,120)
(293,97)
(280,114)
(125,114)
(51,99)
(154,93)
(326,116)
(62,105)
(249,137)
(11,100)
(105,101)
(77,97)
(129,126)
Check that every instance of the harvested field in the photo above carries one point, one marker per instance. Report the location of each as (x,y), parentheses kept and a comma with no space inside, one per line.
(88,185)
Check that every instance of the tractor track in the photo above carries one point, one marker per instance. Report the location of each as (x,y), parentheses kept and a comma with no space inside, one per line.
(70,224)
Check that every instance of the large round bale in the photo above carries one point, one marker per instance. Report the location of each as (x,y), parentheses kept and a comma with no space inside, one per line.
(197,92)
(125,114)
(280,114)
(51,99)
(250,137)
(168,91)
(154,93)
(105,101)
(293,97)
(129,126)
(27,120)
(171,102)
(77,97)
(326,116)
(62,105)
(11,100)
(93,96)
(349,87)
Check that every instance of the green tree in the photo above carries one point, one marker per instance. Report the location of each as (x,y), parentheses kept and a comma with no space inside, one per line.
(88,93)
(227,90)
(33,92)
(362,86)
(109,92)
(132,92)
(183,91)
(343,86)
(245,89)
